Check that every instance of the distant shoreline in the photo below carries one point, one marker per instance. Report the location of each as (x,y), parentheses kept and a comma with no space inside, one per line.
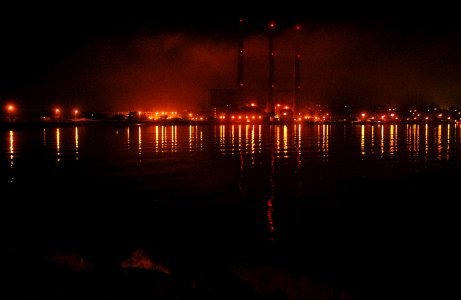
(203,122)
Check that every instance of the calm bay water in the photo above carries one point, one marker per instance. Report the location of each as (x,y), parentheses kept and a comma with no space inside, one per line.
(318,199)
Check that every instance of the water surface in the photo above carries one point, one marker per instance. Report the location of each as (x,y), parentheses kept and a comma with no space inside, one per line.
(342,203)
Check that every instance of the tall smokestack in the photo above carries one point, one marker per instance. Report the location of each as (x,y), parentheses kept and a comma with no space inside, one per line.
(240,83)
(297,91)
(270,108)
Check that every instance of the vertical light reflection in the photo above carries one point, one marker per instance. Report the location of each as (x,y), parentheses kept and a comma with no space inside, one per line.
(58,144)
(242,163)
(277,139)
(373,138)
(319,138)
(201,140)
(326,136)
(416,141)
(128,136)
(270,219)
(156,138)
(260,138)
(139,142)
(11,153)
(408,138)
(252,144)
(382,138)
(76,142)
(44,137)
(190,137)
(11,148)
(222,138)
(285,141)
(396,137)
(426,140)
(247,137)
(162,138)
(233,138)
(324,140)
(175,138)
(298,146)
(393,139)
(270,207)
(362,139)
(166,139)
(297,131)
(439,142)
(448,141)
(240,138)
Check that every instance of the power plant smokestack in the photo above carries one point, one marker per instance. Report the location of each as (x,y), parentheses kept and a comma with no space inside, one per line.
(240,83)
(297,90)
(270,108)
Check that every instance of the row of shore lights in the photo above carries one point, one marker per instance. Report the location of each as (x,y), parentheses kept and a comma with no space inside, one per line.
(57,111)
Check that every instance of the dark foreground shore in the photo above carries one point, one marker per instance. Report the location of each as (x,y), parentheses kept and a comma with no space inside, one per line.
(378,238)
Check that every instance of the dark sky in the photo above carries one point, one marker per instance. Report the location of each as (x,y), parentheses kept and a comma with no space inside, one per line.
(133,57)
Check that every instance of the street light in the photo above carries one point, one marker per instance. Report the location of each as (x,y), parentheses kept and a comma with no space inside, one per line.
(75,113)
(57,113)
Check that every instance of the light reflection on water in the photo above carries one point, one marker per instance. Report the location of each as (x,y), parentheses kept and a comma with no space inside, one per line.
(248,161)
(275,183)
(369,144)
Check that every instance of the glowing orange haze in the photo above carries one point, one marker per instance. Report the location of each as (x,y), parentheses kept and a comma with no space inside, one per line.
(176,71)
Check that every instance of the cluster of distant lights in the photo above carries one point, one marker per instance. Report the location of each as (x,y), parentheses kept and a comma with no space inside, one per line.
(282,112)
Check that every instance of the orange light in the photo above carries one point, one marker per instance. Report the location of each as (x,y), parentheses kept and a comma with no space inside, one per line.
(57,110)
(253,104)
(10,108)
(363,115)
(272,25)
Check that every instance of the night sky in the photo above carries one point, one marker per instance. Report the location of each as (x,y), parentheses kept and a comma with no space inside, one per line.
(128,57)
